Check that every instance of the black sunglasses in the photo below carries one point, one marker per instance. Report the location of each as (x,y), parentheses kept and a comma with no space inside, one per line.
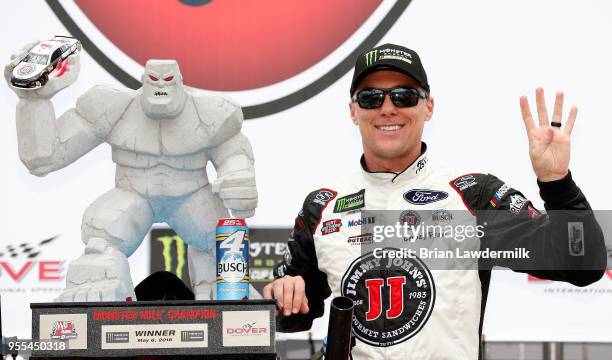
(372,98)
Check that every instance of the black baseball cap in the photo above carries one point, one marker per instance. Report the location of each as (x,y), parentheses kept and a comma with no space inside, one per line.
(389,57)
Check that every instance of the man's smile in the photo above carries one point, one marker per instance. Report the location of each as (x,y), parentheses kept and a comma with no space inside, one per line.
(389,127)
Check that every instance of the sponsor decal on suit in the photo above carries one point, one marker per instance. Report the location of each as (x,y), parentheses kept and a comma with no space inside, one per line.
(465,182)
(331,226)
(424,196)
(350,202)
(393,297)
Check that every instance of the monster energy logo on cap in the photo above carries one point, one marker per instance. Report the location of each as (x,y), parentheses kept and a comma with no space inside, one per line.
(350,202)
(371,57)
(389,57)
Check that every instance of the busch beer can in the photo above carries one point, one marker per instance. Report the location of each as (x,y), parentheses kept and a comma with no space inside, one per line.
(232,259)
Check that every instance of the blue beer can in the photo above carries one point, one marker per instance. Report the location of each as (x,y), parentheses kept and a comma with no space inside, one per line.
(232,245)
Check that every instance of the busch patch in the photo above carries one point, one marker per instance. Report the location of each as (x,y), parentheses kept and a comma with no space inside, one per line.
(516,203)
(424,196)
(393,298)
(63,330)
(331,226)
(439,216)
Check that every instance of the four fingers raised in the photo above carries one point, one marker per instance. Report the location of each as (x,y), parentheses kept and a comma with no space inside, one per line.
(543,113)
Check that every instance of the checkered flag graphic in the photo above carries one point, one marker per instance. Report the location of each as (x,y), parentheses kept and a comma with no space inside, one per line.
(28,250)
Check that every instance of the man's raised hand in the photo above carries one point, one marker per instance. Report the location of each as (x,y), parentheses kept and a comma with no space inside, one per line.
(549,146)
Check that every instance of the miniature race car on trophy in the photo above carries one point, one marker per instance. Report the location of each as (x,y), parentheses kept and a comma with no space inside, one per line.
(33,70)
(162,137)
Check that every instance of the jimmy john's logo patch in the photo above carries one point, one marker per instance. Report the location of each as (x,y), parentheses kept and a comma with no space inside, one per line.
(350,202)
(393,297)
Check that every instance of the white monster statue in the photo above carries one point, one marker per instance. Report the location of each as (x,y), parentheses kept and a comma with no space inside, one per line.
(162,136)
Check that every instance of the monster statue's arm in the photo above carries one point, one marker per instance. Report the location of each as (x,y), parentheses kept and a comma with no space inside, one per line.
(233,159)
(235,183)
(47,143)
(234,156)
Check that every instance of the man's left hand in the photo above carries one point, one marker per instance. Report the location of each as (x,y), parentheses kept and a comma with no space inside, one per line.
(549,146)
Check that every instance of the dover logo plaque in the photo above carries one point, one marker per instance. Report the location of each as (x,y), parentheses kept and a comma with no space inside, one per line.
(241,328)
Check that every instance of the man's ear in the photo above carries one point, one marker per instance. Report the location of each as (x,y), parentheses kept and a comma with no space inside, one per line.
(430,108)
(353,115)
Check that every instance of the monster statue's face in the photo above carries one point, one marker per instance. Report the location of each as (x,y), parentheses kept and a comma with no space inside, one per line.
(163,94)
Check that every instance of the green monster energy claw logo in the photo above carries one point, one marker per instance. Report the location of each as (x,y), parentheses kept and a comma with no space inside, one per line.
(371,57)
(350,202)
(180,253)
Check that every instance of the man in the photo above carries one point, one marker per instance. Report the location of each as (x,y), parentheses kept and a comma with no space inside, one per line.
(408,308)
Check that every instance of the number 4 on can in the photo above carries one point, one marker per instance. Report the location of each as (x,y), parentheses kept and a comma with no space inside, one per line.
(234,241)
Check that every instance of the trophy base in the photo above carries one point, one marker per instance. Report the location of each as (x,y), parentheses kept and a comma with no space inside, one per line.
(155,329)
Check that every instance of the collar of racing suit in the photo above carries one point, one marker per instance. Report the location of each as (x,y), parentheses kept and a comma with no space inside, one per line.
(413,171)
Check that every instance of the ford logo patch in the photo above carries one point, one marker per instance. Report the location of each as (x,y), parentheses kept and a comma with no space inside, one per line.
(424,196)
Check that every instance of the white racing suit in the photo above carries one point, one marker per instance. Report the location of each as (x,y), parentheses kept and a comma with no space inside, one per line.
(415,308)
